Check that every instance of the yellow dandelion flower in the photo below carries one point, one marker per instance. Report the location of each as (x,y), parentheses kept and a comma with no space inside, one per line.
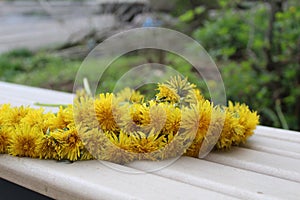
(246,118)
(50,147)
(117,149)
(5,135)
(84,112)
(173,119)
(37,117)
(34,117)
(215,129)
(167,94)
(14,115)
(108,112)
(81,94)
(86,155)
(25,141)
(62,119)
(130,120)
(130,95)
(230,132)
(158,118)
(137,145)
(181,86)
(194,96)
(68,115)
(95,142)
(71,144)
(240,123)
(121,139)
(143,143)
(197,119)
(176,145)
(118,155)
(4,109)
(138,118)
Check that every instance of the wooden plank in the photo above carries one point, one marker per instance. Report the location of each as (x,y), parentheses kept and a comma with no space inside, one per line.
(93,180)
(267,167)
(280,134)
(32,94)
(261,162)
(240,183)
(18,95)
(273,146)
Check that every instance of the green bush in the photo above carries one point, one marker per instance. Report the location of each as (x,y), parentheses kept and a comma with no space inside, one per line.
(259,68)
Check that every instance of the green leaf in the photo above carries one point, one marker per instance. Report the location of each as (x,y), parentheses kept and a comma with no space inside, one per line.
(199,10)
(187,17)
(223,3)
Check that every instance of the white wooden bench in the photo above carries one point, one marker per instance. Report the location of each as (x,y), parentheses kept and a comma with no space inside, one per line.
(266,167)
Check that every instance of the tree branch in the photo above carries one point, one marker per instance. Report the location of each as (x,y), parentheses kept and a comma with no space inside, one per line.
(275,6)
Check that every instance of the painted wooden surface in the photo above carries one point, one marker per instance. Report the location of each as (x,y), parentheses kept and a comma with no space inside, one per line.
(266,167)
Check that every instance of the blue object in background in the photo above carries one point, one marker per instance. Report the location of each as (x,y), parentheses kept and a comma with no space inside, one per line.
(149,22)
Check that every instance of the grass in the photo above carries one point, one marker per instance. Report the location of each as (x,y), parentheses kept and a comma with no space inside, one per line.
(40,70)
(45,70)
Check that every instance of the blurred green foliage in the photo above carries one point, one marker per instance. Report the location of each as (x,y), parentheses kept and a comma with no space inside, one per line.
(46,70)
(42,70)
(258,56)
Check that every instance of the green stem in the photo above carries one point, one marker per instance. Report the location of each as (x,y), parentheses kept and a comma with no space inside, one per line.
(281,115)
(50,105)
(87,87)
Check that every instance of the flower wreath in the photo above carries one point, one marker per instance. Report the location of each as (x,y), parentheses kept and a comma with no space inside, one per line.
(123,127)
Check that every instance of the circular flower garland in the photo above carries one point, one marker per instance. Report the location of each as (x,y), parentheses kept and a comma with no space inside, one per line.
(124,127)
